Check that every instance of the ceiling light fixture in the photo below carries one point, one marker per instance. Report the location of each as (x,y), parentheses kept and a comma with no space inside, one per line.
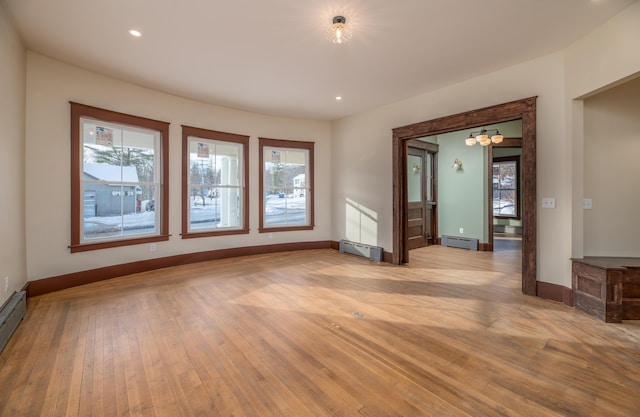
(338,98)
(482,137)
(135,33)
(339,32)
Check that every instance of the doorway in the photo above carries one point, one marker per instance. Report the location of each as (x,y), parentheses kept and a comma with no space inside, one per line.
(506,175)
(524,109)
(421,220)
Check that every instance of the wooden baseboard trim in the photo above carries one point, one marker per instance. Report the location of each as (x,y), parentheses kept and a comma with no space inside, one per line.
(482,247)
(485,247)
(60,282)
(545,290)
(387,257)
(554,292)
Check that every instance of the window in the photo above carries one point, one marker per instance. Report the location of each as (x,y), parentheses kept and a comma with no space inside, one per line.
(215,193)
(286,185)
(506,187)
(119,173)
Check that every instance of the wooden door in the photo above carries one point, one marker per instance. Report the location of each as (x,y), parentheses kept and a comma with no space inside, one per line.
(421,204)
(430,197)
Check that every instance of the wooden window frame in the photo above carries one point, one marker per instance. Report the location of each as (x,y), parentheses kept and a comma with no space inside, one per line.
(286,144)
(189,131)
(79,111)
(515,159)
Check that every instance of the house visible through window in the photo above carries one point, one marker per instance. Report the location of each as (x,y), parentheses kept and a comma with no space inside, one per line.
(215,193)
(506,187)
(286,185)
(118,180)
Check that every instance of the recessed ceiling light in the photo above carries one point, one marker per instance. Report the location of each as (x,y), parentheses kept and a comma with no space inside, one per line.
(338,98)
(135,33)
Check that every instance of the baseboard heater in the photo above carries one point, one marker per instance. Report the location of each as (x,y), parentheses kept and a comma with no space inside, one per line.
(11,315)
(460,242)
(371,252)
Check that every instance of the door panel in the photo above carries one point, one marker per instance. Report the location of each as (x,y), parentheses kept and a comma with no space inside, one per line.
(420,227)
(416,233)
(416,208)
(430,197)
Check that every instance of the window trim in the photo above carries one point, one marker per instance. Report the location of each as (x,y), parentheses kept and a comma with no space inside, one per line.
(516,159)
(79,111)
(286,144)
(188,131)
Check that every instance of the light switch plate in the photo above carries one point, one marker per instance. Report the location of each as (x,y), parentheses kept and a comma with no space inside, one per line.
(549,203)
(587,204)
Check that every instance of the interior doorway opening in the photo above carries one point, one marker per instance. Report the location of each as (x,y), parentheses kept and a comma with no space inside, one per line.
(422,193)
(524,109)
(506,178)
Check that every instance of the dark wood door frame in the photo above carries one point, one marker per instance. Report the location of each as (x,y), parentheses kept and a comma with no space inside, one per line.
(524,109)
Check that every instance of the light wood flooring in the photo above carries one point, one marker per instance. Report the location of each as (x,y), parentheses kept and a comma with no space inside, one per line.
(319,333)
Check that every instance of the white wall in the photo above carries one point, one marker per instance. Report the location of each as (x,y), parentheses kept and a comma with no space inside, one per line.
(52,84)
(12,117)
(356,150)
(611,149)
(606,57)
(361,149)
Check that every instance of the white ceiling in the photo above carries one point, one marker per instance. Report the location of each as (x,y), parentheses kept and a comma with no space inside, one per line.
(271,56)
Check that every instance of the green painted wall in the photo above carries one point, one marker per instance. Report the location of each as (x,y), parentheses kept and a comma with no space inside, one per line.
(462,193)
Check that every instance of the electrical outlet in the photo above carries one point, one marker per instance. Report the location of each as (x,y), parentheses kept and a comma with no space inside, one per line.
(549,203)
(153,247)
(587,204)
(6,284)
(462,230)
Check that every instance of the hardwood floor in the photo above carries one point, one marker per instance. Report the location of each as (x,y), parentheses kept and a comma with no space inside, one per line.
(319,333)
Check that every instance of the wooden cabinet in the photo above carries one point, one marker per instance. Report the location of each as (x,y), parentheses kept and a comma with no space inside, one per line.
(608,288)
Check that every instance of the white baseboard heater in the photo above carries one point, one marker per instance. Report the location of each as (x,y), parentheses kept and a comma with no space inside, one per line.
(11,315)
(460,242)
(368,251)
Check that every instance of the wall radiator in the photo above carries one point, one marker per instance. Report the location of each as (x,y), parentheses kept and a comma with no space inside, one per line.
(371,252)
(460,242)
(11,315)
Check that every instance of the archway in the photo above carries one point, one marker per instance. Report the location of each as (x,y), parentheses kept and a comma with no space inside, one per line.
(524,109)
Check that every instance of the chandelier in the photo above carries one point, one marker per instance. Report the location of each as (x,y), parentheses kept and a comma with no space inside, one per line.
(339,32)
(482,137)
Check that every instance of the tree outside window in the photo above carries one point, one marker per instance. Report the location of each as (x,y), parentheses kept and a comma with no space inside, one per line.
(215,193)
(118,183)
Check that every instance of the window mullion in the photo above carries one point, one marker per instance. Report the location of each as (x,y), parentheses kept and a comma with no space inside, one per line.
(109,184)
